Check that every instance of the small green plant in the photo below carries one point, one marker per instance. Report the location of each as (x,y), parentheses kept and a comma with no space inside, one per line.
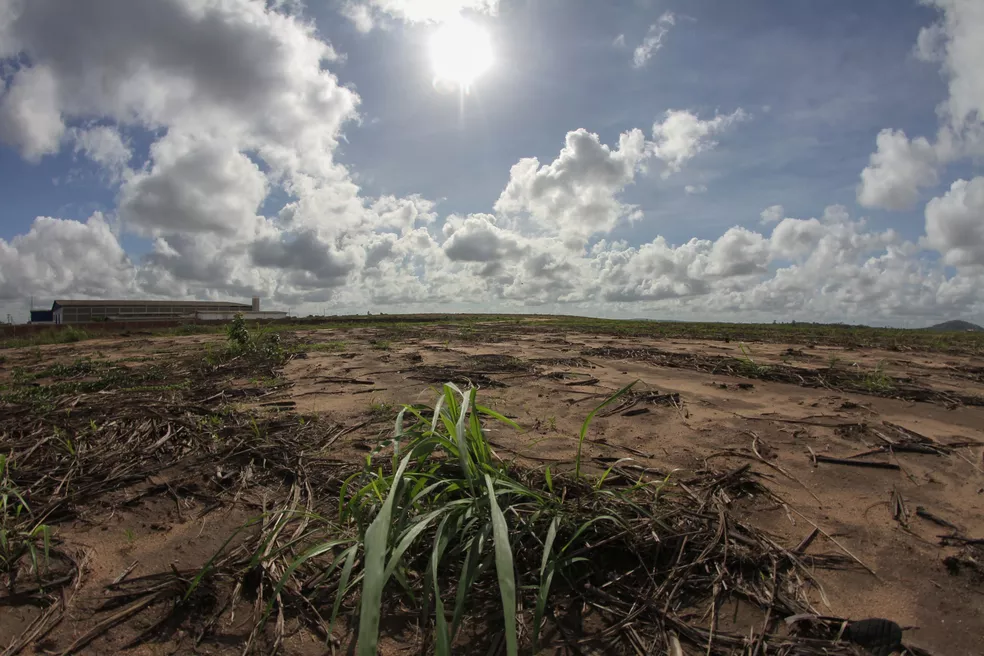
(20,534)
(130,536)
(552,422)
(237,334)
(877,381)
(747,367)
(450,514)
(380,344)
(73,334)
(380,410)
(832,362)
(328,347)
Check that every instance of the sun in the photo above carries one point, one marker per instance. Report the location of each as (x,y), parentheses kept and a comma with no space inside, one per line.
(460,52)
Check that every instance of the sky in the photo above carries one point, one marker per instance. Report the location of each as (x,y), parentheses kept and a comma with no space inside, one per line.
(668,159)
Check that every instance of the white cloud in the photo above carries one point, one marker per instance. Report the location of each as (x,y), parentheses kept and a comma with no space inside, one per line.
(619,41)
(365,14)
(105,146)
(897,170)
(695,189)
(575,194)
(239,102)
(234,69)
(29,116)
(476,238)
(59,257)
(900,166)
(956,41)
(771,214)
(738,252)
(193,186)
(682,135)
(361,16)
(955,223)
(653,40)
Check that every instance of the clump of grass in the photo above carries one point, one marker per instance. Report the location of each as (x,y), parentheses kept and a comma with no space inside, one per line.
(328,347)
(380,410)
(238,336)
(241,342)
(380,344)
(877,381)
(438,523)
(21,535)
(747,367)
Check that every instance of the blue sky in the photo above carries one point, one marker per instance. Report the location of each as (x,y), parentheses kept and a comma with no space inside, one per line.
(280,139)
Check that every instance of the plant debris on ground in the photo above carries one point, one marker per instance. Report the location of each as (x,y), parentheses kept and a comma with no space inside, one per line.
(434,530)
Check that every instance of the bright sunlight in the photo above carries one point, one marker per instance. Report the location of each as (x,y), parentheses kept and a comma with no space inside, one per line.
(460,52)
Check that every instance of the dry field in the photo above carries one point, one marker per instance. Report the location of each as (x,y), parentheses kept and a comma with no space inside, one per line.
(162,494)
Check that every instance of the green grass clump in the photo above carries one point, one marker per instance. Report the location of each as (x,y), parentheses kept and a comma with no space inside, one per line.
(449,514)
(21,535)
(877,381)
(256,345)
(747,367)
(380,410)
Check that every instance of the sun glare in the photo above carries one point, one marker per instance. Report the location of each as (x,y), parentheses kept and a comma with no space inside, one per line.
(460,52)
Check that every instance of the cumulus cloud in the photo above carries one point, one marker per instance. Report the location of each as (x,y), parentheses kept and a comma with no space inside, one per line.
(955,42)
(193,186)
(311,262)
(105,146)
(57,257)
(239,100)
(575,194)
(476,238)
(900,167)
(29,115)
(366,14)
(653,40)
(955,223)
(771,214)
(234,68)
(897,170)
(681,135)
(695,189)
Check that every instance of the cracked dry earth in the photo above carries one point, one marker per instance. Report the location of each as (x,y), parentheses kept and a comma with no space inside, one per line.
(910,524)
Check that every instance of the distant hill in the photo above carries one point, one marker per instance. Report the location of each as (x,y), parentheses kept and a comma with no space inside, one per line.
(956,326)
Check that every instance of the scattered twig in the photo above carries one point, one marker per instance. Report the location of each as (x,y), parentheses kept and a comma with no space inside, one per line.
(856,463)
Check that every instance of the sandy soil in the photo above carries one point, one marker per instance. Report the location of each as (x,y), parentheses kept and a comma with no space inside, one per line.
(686,420)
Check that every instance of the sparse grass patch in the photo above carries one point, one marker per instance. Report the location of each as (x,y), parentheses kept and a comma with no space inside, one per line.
(380,410)
(21,534)
(380,344)
(877,381)
(67,335)
(747,367)
(461,537)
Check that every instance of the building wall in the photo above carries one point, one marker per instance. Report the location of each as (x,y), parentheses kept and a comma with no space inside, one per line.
(249,316)
(89,313)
